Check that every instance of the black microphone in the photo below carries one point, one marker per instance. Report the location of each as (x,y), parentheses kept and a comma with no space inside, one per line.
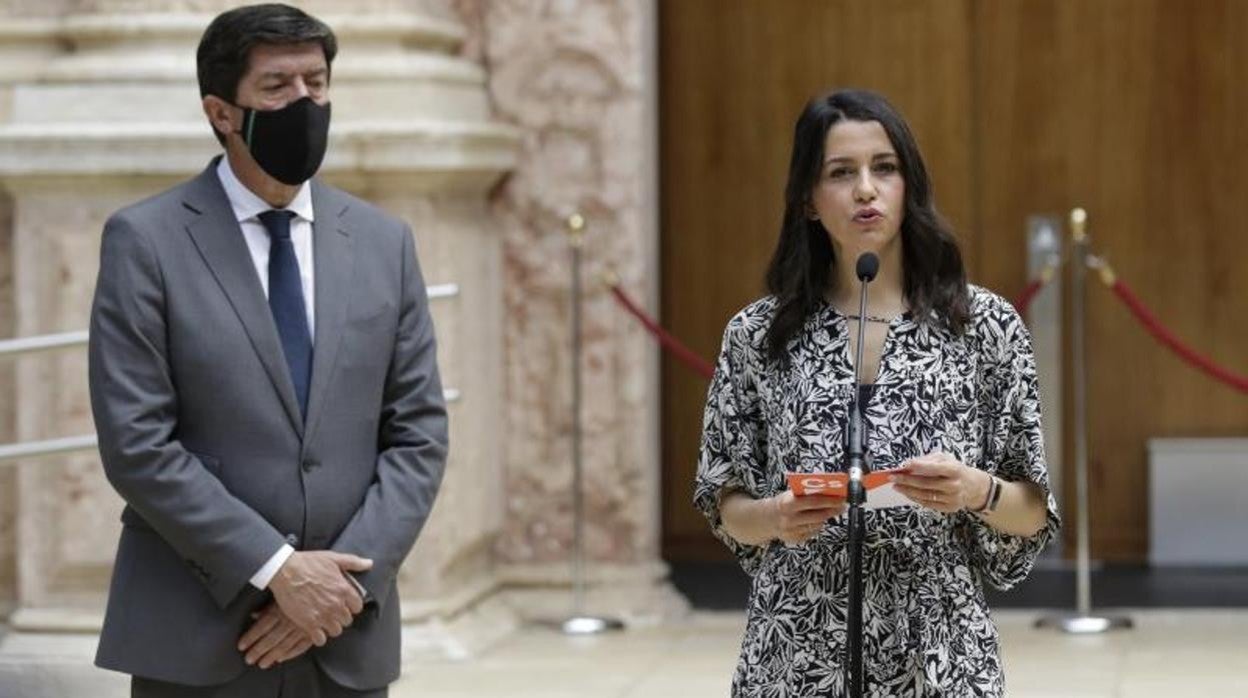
(866,268)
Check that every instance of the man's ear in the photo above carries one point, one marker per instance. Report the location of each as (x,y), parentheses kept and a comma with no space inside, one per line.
(221,114)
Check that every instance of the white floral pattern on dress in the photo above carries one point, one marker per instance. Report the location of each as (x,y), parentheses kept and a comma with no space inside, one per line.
(927,631)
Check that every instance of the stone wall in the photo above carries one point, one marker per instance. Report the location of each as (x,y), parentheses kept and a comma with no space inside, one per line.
(575,78)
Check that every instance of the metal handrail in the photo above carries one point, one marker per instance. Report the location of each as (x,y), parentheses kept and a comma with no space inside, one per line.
(437,291)
(30,345)
(86,442)
(27,449)
(26,345)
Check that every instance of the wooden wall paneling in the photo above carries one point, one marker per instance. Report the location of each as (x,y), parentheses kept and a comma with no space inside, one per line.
(1132,109)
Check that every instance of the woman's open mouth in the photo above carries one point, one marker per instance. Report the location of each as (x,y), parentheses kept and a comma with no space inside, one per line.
(868,215)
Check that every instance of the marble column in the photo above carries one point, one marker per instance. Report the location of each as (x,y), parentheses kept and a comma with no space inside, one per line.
(99,108)
(578,79)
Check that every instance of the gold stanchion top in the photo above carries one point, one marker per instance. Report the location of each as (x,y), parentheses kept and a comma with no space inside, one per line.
(575,224)
(1078,224)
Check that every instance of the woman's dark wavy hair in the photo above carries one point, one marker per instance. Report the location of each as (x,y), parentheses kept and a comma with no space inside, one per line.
(801,267)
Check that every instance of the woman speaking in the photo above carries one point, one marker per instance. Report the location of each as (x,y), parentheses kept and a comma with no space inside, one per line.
(949,399)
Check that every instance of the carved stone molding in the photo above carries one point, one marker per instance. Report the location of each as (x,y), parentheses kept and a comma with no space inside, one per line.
(432,155)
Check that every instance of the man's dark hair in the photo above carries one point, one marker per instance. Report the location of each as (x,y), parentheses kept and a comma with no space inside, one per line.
(225,48)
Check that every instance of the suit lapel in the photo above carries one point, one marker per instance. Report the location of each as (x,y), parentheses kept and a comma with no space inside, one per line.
(216,233)
(333,257)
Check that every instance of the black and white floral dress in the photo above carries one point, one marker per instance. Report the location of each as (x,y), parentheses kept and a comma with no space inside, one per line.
(926,626)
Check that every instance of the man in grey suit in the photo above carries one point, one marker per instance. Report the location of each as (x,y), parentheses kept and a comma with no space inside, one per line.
(264,385)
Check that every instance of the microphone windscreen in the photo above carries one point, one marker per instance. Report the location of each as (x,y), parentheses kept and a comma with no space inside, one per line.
(868,265)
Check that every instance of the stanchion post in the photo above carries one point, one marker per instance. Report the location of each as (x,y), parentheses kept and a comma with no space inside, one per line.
(1082,621)
(1045,257)
(579,623)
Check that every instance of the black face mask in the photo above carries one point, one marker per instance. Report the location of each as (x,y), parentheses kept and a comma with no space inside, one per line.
(288,143)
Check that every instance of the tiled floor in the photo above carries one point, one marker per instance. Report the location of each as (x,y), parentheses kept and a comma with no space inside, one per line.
(1191,653)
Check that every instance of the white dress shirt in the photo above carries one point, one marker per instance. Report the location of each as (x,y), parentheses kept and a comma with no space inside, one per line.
(247,206)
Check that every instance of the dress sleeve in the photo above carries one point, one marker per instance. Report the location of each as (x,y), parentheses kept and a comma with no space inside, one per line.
(733,452)
(1014,451)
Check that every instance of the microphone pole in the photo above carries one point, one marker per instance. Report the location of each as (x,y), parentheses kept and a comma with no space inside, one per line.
(866,269)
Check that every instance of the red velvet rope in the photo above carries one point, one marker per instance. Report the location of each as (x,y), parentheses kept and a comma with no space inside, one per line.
(1172,342)
(1023,304)
(700,366)
(678,350)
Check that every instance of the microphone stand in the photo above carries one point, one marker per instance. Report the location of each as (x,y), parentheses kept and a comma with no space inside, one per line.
(857,496)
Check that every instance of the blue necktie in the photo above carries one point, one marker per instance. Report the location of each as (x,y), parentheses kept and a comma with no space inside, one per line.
(286,301)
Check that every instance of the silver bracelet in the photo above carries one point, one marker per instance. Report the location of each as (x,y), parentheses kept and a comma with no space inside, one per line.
(994,497)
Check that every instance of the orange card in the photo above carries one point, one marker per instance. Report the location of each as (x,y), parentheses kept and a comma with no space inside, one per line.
(837,485)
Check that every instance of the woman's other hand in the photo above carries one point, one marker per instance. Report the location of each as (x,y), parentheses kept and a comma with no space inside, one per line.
(798,519)
(941,482)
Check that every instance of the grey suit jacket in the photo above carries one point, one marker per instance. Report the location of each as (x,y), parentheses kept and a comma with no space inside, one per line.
(200,431)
